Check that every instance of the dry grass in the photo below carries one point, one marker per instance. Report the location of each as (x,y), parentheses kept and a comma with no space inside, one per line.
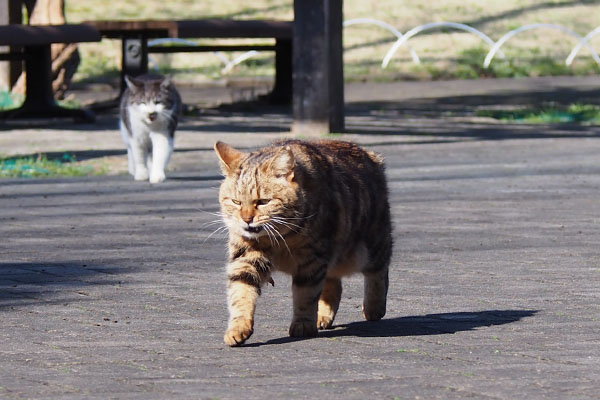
(443,55)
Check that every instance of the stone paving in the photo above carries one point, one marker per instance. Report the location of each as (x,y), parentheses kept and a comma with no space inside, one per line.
(113,289)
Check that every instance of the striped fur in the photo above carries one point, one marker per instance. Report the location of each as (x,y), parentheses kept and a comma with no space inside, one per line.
(315,210)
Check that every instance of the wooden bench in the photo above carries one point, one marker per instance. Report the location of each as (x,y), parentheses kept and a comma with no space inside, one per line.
(134,37)
(35,41)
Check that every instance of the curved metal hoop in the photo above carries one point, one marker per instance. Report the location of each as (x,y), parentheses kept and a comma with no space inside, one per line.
(503,39)
(384,25)
(581,43)
(433,25)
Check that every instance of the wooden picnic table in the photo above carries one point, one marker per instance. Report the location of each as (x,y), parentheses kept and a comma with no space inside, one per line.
(134,36)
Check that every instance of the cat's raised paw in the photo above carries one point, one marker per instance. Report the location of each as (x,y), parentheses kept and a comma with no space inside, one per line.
(237,335)
(303,328)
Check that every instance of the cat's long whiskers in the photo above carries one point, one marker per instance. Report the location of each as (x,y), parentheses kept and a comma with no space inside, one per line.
(219,230)
(210,223)
(287,224)
(217,214)
(282,238)
(272,237)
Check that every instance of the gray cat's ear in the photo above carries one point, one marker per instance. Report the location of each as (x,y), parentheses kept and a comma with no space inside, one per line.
(166,82)
(132,83)
(283,163)
(230,158)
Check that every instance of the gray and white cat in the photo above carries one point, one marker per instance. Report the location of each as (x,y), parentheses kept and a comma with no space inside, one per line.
(150,108)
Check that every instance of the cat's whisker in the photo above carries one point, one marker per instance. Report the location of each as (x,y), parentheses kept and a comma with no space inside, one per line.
(286,224)
(284,241)
(219,230)
(272,237)
(218,213)
(210,223)
(292,227)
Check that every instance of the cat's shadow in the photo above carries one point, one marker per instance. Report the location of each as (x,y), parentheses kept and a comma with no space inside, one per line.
(431,324)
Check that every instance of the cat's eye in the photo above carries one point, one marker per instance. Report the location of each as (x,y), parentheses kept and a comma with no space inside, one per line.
(236,202)
(262,202)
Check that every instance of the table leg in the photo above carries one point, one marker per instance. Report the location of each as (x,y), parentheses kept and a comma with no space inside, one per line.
(39,96)
(282,90)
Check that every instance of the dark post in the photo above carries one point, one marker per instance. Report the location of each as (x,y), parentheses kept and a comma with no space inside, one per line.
(318,104)
(335,20)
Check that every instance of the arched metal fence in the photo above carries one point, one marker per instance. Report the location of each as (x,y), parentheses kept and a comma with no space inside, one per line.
(402,39)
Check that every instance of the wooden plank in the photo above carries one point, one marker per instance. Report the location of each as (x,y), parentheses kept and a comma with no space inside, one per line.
(149,28)
(202,48)
(29,35)
(227,28)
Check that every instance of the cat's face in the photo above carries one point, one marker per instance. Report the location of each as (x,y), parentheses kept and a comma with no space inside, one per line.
(150,99)
(258,196)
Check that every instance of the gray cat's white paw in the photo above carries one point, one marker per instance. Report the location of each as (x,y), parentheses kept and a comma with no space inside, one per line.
(141,175)
(157,178)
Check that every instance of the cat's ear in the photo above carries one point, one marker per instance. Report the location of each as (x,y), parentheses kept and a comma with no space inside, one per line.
(132,83)
(230,158)
(283,163)
(166,82)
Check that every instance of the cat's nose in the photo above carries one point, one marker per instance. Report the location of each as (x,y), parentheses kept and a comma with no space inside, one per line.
(152,116)
(247,218)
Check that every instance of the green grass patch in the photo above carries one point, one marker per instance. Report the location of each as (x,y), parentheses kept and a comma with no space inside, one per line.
(9,101)
(588,114)
(42,167)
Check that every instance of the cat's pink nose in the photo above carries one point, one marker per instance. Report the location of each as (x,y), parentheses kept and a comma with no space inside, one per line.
(152,116)
(247,218)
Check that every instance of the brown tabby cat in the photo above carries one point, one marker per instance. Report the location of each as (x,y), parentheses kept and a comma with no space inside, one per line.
(316,210)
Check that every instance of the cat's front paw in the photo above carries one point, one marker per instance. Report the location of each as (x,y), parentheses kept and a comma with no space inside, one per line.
(237,334)
(157,178)
(324,322)
(303,328)
(141,174)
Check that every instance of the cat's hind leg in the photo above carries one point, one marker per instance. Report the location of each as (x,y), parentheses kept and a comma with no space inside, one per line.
(329,303)
(375,294)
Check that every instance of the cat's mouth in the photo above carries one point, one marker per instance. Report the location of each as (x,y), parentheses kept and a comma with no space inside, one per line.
(253,229)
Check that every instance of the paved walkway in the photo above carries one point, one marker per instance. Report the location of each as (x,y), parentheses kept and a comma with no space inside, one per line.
(115,289)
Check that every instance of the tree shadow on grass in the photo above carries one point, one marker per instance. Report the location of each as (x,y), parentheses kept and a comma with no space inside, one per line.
(431,324)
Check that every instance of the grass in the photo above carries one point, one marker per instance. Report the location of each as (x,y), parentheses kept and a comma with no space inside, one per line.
(9,101)
(41,167)
(444,53)
(575,113)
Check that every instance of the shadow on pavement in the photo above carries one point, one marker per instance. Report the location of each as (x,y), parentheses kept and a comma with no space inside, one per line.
(25,283)
(431,324)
